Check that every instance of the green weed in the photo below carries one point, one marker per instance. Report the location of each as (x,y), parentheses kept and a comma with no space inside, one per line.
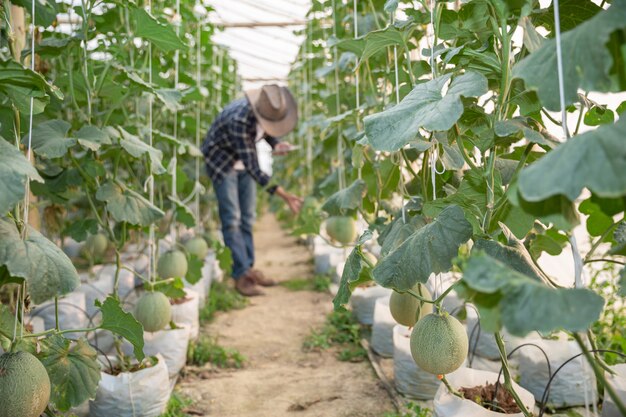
(207,350)
(222,297)
(319,283)
(413,410)
(341,330)
(177,405)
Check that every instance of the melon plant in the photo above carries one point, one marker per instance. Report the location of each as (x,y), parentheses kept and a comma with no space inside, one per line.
(406,309)
(172,264)
(153,311)
(197,246)
(96,245)
(342,229)
(439,343)
(24,385)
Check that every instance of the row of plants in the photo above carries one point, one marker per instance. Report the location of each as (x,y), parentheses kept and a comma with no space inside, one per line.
(103,106)
(470,139)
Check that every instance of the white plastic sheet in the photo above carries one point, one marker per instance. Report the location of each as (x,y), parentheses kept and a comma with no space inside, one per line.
(188,313)
(138,394)
(449,405)
(363,301)
(618,382)
(382,329)
(172,344)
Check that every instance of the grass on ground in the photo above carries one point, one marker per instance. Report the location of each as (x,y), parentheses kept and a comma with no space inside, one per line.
(342,331)
(319,283)
(413,410)
(177,405)
(207,350)
(222,297)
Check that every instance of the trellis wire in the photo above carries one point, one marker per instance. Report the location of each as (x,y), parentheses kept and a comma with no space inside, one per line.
(355,19)
(341,176)
(198,86)
(309,133)
(151,238)
(177,20)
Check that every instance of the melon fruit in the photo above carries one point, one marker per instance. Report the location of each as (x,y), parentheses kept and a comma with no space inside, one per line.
(406,309)
(370,257)
(342,229)
(96,245)
(172,264)
(153,311)
(24,385)
(439,344)
(197,246)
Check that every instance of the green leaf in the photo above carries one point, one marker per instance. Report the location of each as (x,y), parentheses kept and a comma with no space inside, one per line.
(44,266)
(19,84)
(527,305)
(81,228)
(73,369)
(424,107)
(161,35)
(391,6)
(398,231)
(355,272)
(184,214)
(50,140)
(45,10)
(90,137)
(587,60)
(598,115)
(174,288)
(116,320)
(137,148)
(346,200)
(595,160)
(597,221)
(7,326)
(516,257)
(125,205)
(429,250)
(505,128)
(557,210)
(15,170)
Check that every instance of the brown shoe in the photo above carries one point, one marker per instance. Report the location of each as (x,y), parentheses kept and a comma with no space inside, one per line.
(261,279)
(246,285)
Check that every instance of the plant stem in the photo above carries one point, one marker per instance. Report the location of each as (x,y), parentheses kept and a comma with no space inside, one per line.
(588,261)
(507,376)
(450,388)
(437,300)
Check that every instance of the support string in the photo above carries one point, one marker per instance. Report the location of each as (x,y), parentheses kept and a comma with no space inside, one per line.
(151,242)
(198,86)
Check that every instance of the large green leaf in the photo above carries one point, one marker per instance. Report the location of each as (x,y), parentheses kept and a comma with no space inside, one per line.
(73,369)
(137,148)
(424,107)
(184,214)
(586,64)
(346,200)
(45,10)
(125,205)
(116,320)
(515,256)
(50,139)
(161,35)
(91,137)
(15,170)
(19,84)
(429,250)
(44,266)
(524,304)
(7,327)
(594,160)
(356,271)
(374,42)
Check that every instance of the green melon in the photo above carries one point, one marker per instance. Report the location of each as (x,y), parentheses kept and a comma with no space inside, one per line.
(197,246)
(24,385)
(370,257)
(96,245)
(172,264)
(406,309)
(342,229)
(439,344)
(153,311)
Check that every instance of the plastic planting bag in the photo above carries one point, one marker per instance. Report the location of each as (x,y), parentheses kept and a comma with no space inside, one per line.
(618,382)
(94,289)
(410,380)
(201,288)
(484,344)
(126,279)
(363,301)
(72,313)
(188,313)
(382,329)
(571,384)
(144,393)
(172,344)
(449,405)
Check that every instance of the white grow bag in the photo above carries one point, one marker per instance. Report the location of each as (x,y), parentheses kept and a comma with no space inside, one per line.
(188,313)
(618,382)
(138,394)
(72,313)
(449,405)
(568,387)
(382,329)
(126,280)
(484,344)
(363,301)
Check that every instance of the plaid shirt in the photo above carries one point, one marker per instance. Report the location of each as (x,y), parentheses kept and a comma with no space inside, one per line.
(231,138)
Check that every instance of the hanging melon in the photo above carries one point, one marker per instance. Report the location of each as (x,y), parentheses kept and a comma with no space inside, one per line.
(342,229)
(406,309)
(172,264)
(96,245)
(24,385)
(153,311)
(197,246)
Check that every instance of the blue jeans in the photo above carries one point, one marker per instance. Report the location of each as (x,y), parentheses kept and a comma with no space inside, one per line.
(236,198)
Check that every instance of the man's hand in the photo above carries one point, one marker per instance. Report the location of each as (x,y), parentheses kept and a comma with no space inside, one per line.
(294,202)
(282,148)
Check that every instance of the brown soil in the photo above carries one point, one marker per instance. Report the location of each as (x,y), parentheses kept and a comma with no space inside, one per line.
(280,378)
(179,301)
(485,395)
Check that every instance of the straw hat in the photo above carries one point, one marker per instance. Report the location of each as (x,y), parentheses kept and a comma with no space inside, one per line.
(275,109)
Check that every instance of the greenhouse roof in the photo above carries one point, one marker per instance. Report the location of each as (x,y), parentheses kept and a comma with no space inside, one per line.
(260,35)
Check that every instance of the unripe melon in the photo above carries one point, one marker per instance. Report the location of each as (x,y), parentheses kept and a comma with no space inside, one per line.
(24,385)
(406,309)
(197,246)
(439,344)
(172,264)
(342,229)
(370,257)
(96,245)
(153,311)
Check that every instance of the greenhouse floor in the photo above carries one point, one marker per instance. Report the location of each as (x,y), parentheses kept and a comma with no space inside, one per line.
(280,378)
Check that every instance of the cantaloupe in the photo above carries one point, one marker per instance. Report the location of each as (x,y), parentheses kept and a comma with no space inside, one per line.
(197,246)
(439,344)
(406,309)
(96,245)
(172,264)
(153,311)
(342,229)
(24,385)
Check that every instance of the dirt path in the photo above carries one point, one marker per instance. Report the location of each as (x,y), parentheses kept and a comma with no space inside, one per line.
(279,378)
